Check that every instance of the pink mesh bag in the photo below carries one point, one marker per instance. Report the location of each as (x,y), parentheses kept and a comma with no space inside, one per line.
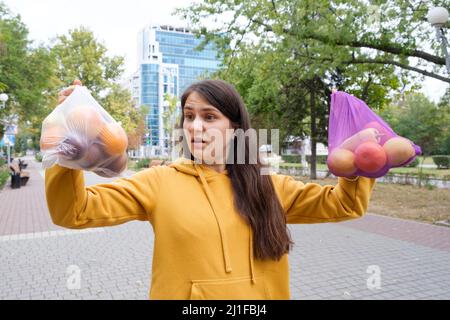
(360,143)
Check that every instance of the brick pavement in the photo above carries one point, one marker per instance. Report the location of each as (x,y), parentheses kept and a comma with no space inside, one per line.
(329,261)
(24,210)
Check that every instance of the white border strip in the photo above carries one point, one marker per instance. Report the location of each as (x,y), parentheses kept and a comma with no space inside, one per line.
(48,234)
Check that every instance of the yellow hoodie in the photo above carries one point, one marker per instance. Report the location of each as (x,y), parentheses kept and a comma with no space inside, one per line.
(202,247)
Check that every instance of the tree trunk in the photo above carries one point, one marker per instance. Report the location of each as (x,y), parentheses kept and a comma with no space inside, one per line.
(313,174)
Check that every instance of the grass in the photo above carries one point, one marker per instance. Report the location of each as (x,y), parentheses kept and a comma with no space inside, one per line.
(437,173)
(4,175)
(132,165)
(405,201)
(428,160)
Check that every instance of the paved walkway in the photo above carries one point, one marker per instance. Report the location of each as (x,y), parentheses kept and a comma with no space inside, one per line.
(375,257)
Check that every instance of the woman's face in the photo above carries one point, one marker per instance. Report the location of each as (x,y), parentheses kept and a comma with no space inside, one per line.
(209,130)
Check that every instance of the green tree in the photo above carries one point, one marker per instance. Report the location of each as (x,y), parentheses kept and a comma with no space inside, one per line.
(420,120)
(285,77)
(169,119)
(135,137)
(26,73)
(444,107)
(376,32)
(81,56)
(118,103)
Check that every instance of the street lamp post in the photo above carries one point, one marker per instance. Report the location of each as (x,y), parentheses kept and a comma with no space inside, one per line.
(438,17)
(3,98)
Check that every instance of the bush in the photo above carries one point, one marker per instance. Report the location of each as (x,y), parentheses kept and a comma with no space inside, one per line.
(414,164)
(429,186)
(142,163)
(296,158)
(4,175)
(442,162)
(38,157)
(291,158)
(322,159)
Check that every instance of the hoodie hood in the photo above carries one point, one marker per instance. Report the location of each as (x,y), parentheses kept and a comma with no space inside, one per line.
(189,167)
(203,174)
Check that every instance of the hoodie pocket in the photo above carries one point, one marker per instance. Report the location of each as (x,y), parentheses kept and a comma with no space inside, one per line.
(240,288)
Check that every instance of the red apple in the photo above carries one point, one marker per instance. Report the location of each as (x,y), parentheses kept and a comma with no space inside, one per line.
(370,157)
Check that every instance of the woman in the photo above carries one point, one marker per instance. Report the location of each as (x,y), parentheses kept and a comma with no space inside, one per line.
(220,229)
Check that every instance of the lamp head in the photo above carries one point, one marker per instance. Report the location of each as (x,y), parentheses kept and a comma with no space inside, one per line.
(437,16)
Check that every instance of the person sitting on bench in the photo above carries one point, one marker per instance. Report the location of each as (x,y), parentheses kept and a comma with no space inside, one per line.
(18,175)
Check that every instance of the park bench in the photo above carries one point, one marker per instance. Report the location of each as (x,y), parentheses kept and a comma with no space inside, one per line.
(22,164)
(19,178)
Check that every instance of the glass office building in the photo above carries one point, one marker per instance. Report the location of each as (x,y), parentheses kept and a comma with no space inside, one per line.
(168,63)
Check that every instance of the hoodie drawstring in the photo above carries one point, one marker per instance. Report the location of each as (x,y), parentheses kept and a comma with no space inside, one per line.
(252,273)
(223,238)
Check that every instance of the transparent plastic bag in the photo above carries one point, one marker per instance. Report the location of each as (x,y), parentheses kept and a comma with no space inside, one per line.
(80,134)
(360,143)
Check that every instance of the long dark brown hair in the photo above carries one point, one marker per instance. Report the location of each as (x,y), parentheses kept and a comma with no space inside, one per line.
(254,194)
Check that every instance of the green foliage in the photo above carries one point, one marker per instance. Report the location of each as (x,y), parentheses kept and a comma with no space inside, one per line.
(285,56)
(414,163)
(418,119)
(119,105)
(429,186)
(442,162)
(142,163)
(38,157)
(80,56)
(26,71)
(21,144)
(291,158)
(170,118)
(4,175)
(321,159)
(145,162)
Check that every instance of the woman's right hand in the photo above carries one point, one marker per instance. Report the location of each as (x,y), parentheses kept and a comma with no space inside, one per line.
(63,94)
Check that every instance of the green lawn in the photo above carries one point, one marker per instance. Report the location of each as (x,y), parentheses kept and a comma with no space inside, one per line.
(439,173)
(404,201)
(428,160)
